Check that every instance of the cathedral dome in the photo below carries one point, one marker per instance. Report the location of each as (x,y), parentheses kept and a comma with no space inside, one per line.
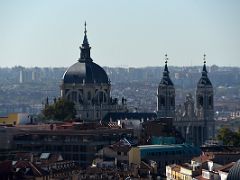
(85,70)
(204,80)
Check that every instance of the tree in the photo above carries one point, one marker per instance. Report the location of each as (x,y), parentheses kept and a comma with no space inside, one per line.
(61,109)
(229,137)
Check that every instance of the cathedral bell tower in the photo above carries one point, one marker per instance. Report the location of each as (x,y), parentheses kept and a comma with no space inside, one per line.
(166,95)
(205,104)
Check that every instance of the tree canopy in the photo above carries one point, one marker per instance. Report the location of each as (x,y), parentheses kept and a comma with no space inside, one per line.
(229,137)
(61,109)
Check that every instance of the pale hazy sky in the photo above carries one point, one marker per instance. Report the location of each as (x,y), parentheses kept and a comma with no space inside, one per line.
(121,33)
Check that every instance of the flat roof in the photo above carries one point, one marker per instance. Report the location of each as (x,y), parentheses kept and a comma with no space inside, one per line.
(165,146)
(74,131)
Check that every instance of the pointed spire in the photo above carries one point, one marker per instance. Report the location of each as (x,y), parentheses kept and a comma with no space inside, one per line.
(204,70)
(166,61)
(85,32)
(166,79)
(85,40)
(85,48)
(204,80)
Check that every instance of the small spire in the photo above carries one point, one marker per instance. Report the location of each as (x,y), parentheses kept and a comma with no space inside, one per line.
(204,58)
(85,31)
(166,61)
(166,79)
(204,64)
(85,40)
(85,48)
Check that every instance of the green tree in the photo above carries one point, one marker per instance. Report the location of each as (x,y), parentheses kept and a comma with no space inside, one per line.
(61,109)
(229,137)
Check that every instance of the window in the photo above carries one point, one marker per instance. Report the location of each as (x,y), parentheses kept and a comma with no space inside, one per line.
(74,96)
(162,101)
(75,148)
(89,95)
(200,100)
(80,100)
(172,101)
(210,100)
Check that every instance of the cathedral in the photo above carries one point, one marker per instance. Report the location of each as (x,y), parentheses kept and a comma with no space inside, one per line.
(87,85)
(195,123)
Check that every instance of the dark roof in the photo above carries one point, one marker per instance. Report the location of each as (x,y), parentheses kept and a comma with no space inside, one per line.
(166,81)
(234,172)
(85,72)
(204,80)
(121,146)
(29,168)
(114,116)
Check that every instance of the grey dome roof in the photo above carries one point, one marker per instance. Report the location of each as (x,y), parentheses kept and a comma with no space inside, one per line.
(204,80)
(87,72)
(234,172)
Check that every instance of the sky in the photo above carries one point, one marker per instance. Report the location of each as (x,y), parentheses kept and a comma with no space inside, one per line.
(126,33)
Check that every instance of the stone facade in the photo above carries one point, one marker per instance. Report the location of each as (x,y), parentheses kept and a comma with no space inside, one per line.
(195,123)
(166,95)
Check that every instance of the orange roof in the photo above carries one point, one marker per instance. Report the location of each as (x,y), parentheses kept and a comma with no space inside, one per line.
(203,158)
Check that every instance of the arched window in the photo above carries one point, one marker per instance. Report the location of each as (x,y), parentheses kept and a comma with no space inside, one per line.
(80,99)
(210,101)
(162,101)
(100,97)
(89,96)
(200,101)
(172,100)
(74,96)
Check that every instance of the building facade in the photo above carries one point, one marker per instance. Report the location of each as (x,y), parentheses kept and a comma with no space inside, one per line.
(166,95)
(163,155)
(73,144)
(194,122)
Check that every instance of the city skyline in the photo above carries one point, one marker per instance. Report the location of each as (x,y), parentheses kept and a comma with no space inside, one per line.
(121,34)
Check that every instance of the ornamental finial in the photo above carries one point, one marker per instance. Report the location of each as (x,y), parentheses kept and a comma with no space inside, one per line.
(204,58)
(166,58)
(85,31)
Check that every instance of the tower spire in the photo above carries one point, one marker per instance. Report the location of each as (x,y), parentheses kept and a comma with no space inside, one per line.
(166,61)
(85,40)
(204,70)
(85,31)
(85,48)
(166,94)
(166,79)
